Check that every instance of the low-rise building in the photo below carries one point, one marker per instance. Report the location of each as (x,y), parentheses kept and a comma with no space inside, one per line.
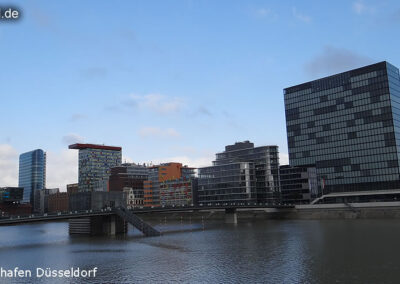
(72,188)
(41,199)
(11,209)
(58,202)
(164,180)
(299,185)
(234,182)
(177,192)
(128,175)
(134,198)
(129,178)
(11,194)
(96,200)
(10,198)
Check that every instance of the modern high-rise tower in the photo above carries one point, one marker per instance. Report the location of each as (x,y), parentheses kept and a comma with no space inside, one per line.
(95,163)
(32,173)
(348,126)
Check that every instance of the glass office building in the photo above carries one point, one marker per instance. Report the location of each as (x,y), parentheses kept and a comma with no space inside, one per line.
(347,126)
(95,163)
(32,173)
(234,182)
(11,194)
(299,185)
(241,173)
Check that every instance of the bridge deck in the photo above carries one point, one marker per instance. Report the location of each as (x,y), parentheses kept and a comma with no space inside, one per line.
(14,220)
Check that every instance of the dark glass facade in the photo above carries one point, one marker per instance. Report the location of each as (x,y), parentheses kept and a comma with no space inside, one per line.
(227,183)
(128,176)
(32,173)
(11,194)
(241,173)
(298,184)
(347,125)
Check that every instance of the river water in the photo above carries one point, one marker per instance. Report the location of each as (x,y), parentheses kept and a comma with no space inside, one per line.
(276,251)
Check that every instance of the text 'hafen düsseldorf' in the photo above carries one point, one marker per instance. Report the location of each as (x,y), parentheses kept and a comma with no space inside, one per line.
(72,272)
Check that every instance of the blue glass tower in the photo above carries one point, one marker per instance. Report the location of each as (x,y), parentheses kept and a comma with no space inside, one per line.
(32,173)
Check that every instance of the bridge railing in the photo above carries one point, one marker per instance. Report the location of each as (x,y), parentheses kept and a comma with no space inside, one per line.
(54,214)
(213,205)
(222,205)
(137,222)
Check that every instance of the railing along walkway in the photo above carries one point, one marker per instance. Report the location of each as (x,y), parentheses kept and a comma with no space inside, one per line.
(137,222)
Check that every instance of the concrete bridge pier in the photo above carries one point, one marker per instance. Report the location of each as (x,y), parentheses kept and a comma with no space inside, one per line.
(230,216)
(98,225)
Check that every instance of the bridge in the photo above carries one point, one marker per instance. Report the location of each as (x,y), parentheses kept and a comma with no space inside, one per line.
(212,206)
(108,220)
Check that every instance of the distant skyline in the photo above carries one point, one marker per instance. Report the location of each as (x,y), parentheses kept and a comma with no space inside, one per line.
(171,80)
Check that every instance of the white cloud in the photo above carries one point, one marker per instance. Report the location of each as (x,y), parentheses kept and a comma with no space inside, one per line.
(266,13)
(72,138)
(158,103)
(158,132)
(334,60)
(359,7)
(61,168)
(300,16)
(8,165)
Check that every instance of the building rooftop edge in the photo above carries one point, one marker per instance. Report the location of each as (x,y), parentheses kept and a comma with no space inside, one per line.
(333,75)
(257,147)
(80,146)
(33,151)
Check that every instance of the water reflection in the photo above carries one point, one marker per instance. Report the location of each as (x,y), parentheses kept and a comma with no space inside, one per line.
(341,251)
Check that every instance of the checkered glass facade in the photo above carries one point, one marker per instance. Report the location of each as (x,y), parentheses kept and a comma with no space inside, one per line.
(348,126)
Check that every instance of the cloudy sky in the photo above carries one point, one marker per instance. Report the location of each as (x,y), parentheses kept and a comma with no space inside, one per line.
(171,80)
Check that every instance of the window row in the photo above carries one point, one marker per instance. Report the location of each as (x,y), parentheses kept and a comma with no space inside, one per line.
(381,178)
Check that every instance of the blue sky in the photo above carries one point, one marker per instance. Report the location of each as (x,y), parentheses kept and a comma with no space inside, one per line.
(171,80)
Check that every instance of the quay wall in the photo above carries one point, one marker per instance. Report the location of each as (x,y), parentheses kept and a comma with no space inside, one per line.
(373,210)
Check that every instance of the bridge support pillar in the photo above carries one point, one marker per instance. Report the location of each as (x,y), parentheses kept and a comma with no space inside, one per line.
(98,225)
(230,216)
(112,225)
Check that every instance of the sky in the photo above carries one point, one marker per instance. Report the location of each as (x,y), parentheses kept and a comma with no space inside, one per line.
(170,80)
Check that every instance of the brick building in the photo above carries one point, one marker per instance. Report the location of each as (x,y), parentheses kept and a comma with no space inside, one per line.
(58,202)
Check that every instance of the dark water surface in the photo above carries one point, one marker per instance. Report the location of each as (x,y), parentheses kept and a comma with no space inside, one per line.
(306,251)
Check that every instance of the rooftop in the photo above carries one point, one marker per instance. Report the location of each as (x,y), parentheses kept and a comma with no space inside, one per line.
(353,72)
(80,146)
